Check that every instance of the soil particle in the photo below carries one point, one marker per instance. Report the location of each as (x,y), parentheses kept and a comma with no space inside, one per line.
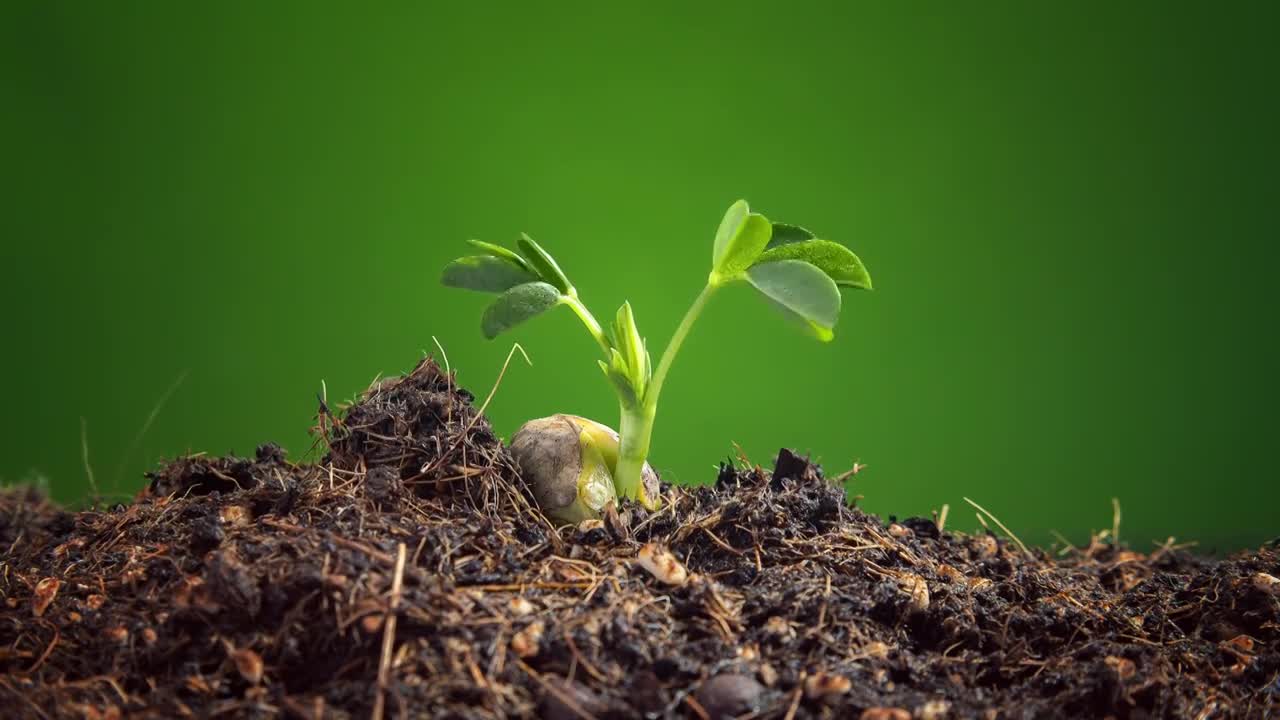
(262,588)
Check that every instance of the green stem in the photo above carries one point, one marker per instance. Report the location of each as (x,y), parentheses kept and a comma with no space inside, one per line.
(634,432)
(673,347)
(636,426)
(571,299)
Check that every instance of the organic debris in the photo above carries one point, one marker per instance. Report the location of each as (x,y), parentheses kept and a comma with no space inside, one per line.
(410,574)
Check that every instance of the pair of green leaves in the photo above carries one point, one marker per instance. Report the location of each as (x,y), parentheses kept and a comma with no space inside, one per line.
(794,269)
(528,283)
(629,367)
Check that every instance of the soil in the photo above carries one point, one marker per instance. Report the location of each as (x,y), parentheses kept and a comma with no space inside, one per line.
(409,574)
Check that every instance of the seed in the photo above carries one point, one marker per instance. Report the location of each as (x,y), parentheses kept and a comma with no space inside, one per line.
(564,468)
(662,564)
(527,642)
(46,590)
(825,686)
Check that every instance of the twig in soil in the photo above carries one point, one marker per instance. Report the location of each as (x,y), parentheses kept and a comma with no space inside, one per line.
(1002,526)
(857,468)
(1115,521)
(496,384)
(389,634)
(47,651)
(696,707)
(146,426)
(1067,547)
(24,697)
(466,432)
(795,697)
(942,517)
(448,375)
(550,687)
(84,455)
(443,354)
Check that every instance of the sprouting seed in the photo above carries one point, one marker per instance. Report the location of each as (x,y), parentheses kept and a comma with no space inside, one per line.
(569,463)
(791,267)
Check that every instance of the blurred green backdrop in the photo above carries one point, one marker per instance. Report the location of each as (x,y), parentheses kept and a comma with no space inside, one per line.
(1070,214)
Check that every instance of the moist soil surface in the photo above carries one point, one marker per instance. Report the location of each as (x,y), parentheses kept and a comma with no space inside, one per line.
(408,574)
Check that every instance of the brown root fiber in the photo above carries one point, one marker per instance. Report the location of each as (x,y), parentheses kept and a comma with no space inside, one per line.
(263,588)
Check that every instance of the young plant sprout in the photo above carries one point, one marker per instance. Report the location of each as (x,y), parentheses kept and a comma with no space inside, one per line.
(791,267)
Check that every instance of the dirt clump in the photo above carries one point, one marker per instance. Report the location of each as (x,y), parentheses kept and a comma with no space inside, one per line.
(408,573)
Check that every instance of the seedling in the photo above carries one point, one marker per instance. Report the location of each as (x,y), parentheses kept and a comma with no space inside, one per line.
(791,267)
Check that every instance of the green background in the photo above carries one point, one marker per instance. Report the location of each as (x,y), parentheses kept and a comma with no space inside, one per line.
(1070,214)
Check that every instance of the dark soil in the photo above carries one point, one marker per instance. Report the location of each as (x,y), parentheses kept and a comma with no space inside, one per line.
(408,574)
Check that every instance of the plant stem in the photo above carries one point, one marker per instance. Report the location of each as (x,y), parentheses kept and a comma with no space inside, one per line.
(589,320)
(636,426)
(634,432)
(669,355)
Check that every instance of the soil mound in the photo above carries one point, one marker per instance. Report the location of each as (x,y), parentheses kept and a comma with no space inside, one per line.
(409,574)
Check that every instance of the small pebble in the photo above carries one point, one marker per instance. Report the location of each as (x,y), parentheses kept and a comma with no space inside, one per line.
(729,695)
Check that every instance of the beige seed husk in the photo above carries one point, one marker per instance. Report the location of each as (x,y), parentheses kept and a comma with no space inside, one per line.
(661,564)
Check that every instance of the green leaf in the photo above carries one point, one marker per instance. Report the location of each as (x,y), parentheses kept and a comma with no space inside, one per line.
(730,224)
(801,289)
(784,234)
(485,273)
(544,264)
(627,339)
(740,239)
(500,252)
(517,305)
(832,258)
